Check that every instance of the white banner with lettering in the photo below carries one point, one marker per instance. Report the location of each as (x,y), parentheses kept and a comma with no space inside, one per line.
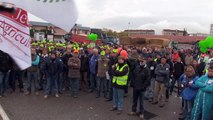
(61,13)
(15,38)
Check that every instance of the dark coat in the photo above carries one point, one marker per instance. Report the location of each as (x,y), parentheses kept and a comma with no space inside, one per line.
(141,78)
(178,70)
(53,67)
(152,66)
(84,63)
(5,62)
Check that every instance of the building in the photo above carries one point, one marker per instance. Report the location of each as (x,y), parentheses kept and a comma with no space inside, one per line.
(80,30)
(211,30)
(199,34)
(140,32)
(164,40)
(42,30)
(170,32)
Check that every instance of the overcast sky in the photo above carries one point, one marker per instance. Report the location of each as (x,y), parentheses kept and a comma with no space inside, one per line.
(194,15)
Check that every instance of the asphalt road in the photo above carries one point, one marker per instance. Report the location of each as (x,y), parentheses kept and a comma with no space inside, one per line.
(85,107)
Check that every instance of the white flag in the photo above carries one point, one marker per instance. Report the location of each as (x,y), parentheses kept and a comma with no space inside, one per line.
(15,38)
(61,13)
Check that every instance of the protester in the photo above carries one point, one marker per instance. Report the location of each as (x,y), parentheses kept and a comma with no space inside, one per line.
(204,99)
(43,60)
(151,64)
(74,64)
(162,77)
(33,73)
(84,70)
(65,58)
(141,81)
(112,62)
(178,71)
(119,81)
(52,70)
(93,69)
(103,66)
(189,91)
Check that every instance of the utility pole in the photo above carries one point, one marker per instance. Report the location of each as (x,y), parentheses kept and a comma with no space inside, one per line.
(128,29)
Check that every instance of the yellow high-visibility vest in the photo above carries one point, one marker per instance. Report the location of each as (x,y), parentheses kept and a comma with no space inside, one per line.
(120,80)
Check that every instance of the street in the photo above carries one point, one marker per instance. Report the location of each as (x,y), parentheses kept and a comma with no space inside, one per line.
(85,107)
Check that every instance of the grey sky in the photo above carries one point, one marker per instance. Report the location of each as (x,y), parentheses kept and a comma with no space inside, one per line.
(194,15)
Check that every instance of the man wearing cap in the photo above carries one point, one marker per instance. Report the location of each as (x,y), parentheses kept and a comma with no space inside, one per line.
(120,77)
(52,69)
(103,64)
(141,80)
(162,77)
(74,64)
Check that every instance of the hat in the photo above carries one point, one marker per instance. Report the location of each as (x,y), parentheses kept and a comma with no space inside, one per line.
(53,52)
(75,51)
(140,58)
(120,57)
(103,53)
(115,50)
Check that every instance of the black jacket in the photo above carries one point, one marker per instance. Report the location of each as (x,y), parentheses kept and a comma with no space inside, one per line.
(53,67)
(5,62)
(178,70)
(141,78)
(171,66)
(112,61)
(152,66)
(43,61)
(200,68)
(84,63)
(65,60)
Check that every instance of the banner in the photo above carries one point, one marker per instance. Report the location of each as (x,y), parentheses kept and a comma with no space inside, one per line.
(15,38)
(61,13)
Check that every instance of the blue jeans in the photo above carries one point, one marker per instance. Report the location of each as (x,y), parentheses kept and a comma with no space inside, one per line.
(118,98)
(3,76)
(33,76)
(74,85)
(188,104)
(101,85)
(52,80)
(60,82)
(138,94)
(92,81)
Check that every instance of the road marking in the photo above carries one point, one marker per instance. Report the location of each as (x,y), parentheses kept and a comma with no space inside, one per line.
(3,113)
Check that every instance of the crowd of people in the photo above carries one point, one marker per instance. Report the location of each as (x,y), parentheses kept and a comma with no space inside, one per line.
(109,70)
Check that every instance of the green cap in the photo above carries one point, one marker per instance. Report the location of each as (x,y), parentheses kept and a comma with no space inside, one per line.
(115,50)
(103,53)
